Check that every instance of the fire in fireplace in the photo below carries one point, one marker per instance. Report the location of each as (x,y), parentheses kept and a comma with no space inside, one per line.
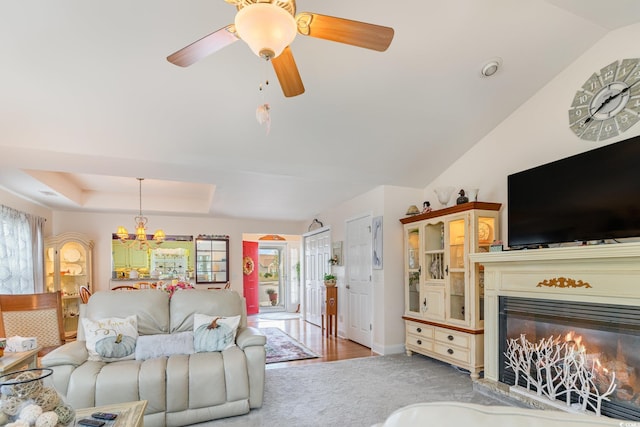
(605,336)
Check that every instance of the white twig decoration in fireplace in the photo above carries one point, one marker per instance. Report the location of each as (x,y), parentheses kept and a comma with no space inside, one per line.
(554,367)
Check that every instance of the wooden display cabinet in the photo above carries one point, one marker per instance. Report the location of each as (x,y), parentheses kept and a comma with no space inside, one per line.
(68,265)
(444,292)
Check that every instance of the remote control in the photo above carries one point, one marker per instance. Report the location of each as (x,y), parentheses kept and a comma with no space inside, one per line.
(104,416)
(91,423)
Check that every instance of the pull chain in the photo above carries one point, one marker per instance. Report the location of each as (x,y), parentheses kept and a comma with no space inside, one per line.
(263,111)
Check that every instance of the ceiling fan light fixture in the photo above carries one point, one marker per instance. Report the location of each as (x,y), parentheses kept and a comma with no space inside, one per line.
(266,28)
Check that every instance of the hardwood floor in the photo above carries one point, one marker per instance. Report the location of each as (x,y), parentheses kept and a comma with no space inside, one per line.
(331,348)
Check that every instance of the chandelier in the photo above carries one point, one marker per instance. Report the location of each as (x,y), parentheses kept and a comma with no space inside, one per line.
(141,228)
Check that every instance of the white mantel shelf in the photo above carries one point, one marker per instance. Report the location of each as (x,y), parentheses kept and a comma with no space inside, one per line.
(614,250)
(606,274)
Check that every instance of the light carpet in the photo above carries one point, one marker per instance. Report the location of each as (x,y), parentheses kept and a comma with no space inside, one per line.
(355,392)
(281,347)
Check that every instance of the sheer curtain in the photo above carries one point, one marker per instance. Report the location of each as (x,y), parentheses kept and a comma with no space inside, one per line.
(21,249)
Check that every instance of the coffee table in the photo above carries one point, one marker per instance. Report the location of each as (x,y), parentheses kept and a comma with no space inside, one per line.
(14,361)
(130,414)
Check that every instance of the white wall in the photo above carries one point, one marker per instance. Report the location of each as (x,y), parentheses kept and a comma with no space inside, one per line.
(538,132)
(369,203)
(388,298)
(100,226)
(391,301)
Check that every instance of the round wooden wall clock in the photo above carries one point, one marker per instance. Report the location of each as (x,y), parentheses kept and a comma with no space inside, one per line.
(608,103)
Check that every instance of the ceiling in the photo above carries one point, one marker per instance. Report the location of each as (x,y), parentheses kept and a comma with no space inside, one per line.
(88,101)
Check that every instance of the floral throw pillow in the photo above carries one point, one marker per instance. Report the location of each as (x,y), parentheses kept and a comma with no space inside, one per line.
(214,333)
(112,338)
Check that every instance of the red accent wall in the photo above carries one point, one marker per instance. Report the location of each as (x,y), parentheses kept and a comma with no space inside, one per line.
(250,281)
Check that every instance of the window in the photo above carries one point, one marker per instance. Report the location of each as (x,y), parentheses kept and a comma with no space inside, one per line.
(21,248)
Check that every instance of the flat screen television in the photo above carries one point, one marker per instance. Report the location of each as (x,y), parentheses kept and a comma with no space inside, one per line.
(591,196)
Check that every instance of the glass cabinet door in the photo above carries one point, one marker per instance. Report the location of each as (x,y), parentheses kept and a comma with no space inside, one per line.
(413,268)
(456,291)
(486,230)
(433,307)
(212,259)
(413,248)
(486,234)
(73,274)
(434,252)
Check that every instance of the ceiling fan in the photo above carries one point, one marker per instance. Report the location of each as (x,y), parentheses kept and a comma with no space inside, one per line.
(269,27)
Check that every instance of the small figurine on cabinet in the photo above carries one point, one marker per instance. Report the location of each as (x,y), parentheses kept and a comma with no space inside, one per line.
(426,207)
(462,199)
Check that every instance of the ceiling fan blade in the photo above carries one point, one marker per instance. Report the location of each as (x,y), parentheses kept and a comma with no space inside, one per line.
(342,30)
(287,72)
(204,47)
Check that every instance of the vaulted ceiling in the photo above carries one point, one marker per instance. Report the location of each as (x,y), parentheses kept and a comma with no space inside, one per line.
(88,101)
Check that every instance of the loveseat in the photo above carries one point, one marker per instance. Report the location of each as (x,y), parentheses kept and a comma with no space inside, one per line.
(181,386)
(456,414)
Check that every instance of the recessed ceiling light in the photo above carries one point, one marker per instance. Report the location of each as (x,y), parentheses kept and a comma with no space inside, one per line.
(491,67)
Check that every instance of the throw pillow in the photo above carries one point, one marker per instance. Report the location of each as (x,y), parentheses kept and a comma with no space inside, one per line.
(214,333)
(150,346)
(111,339)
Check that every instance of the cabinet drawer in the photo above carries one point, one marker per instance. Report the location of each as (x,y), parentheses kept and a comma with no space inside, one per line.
(419,342)
(452,338)
(451,352)
(424,331)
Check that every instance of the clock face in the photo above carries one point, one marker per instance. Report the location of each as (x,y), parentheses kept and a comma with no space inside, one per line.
(608,102)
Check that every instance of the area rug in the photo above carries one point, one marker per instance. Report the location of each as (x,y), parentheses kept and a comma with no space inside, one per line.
(283,348)
(355,392)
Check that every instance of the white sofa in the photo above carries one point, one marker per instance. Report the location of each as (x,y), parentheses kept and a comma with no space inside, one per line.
(180,389)
(456,414)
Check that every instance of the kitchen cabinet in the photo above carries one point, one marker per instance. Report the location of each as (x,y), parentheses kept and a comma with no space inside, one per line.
(173,259)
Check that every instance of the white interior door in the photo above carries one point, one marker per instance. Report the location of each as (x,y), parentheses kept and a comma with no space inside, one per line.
(317,251)
(359,286)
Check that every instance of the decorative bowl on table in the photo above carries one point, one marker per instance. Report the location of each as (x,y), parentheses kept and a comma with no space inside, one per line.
(27,400)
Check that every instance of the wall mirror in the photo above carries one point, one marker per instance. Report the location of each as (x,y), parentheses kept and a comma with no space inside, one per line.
(212,253)
(173,259)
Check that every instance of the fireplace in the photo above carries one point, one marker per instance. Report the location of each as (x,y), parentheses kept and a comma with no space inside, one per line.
(589,295)
(609,336)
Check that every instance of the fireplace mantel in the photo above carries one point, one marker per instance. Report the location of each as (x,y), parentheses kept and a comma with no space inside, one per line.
(599,273)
